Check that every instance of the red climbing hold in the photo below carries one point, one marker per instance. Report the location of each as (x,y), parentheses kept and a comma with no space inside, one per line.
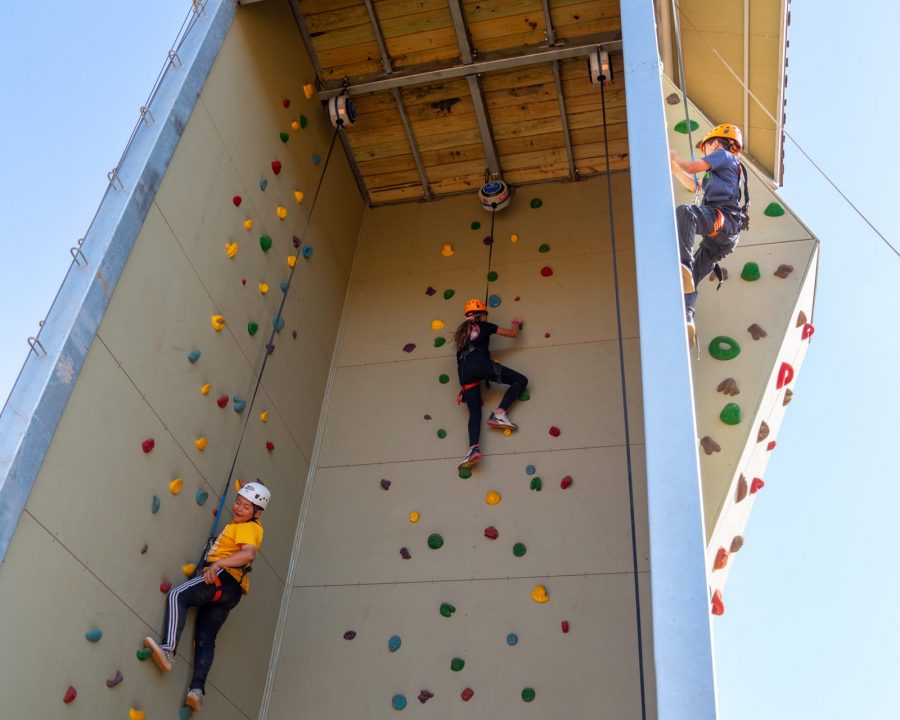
(808,330)
(491,533)
(237,200)
(785,375)
(222,401)
(70,695)
(286,103)
(467,694)
(148,445)
(276,167)
(546,335)
(566,482)
(718,607)
(243,281)
(721,559)
(756,484)
(270,446)
(565,626)
(771,446)
(554,431)
(165,587)
(546,271)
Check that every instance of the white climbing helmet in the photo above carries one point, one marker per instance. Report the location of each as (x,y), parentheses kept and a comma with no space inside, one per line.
(257,493)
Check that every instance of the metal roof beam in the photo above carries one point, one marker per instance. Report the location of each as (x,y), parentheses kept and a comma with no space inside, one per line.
(413,145)
(570,155)
(307,38)
(354,168)
(379,38)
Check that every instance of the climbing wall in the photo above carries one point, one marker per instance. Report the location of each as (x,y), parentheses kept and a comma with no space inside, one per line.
(510,592)
(753,335)
(163,405)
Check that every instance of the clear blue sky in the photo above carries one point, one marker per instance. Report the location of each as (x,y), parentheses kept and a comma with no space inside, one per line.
(811,628)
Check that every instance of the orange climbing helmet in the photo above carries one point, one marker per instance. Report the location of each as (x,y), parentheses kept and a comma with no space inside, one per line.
(726,131)
(474,305)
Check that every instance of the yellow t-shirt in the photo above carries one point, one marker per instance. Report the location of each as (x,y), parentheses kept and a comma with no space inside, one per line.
(230,540)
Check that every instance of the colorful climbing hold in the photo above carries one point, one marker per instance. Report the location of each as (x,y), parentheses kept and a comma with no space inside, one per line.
(154,504)
(439,342)
(750,273)
(111,682)
(539,594)
(447,609)
(185,713)
(528,694)
(276,167)
(425,696)
(721,559)
(164,587)
(284,137)
(536,484)
(554,431)
(265,242)
(263,288)
(404,553)
(414,517)
(475,225)
(176,485)
(252,328)
(284,285)
(457,664)
(736,544)
(492,276)
(409,347)
(237,200)
(467,694)
(763,432)
(709,445)
(204,389)
(231,249)
(281,212)
(304,121)
(148,444)
(728,386)
(398,702)
(491,533)
(771,446)
(278,323)
(349,635)
(465,473)
(530,469)
(93,635)
(512,639)
(722,347)
(536,203)
(546,271)
(295,125)
(740,491)
(270,446)
(544,248)
(201,496)
(718,607)
(435,541)
(135,714)
(682,126)
(507,432)
(291,260)
(201,443)
(217,322)
(263,184)
(447,250)
(394,643)
(70,695)
(773,209)
(385,484)
(238,403)
(286,103)
(808,331)
(144,653)
(443,379)
(188,569)
(193,356)
(565,626)
(222,401)
(316,159)
(756,485)
(437,324)
(308,91)
(756,332)
(248,224)
(307,251)
(731,414)
(494,301)
(783,271)
(519,549)
(492,498)
(514,238)
(525,396)
(441,433)
(566,482)
(785,375)
(449,294)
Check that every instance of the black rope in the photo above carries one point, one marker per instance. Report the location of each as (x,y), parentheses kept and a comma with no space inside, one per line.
(615,264)
(487,283)
(265,362)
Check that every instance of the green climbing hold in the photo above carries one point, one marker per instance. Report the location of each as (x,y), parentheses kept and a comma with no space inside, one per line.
(435,541)
(93,635)
(681,126)
(441,433)
(525,396)
(252,328)
(284,137)
(449,294)
(544,248)
(731,414)
(447,609)
(750,273)
(722,347)
(519,549)
(304,121)
(143,654)
(439,341)
(528,694)
(465,473)
(265,242)
(492,276)
(444,379)
(536,203)
(773,210)
(475,225)
(457,664)
(537,484)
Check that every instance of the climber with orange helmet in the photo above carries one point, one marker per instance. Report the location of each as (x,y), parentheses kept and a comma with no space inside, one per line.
(474,364)
(719,218)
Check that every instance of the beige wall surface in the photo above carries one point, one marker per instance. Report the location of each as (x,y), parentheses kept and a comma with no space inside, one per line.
(385,409)
(75,562)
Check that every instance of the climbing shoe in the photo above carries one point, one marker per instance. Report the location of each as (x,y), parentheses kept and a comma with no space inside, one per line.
(501,421)
(471,458)
(194,699)
(163,658)
(687,280)
(691,329)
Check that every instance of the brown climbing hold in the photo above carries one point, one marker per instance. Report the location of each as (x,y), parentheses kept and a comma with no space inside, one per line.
(70,695)
(757,485)
(783,271)
(788,396)
(721,559)
(728,386)
(718,607)
(709,445)
(737,543)
(801,319)
(467,694)
(756,332)
(763,431)
(144,549)
(491,533)
(741,492)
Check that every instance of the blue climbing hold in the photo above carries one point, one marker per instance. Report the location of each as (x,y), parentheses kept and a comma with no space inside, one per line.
(512,639)
(93,635)
(394,643)
(263,184)
(238,403)
(307,251)
(494,301)
(201,497)
(530,470)
(284,285)
(193,356)
(398,702)
(278,323)
(316,160)
(154,506)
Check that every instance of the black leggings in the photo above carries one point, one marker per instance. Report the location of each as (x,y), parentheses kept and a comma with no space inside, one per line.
(477,366)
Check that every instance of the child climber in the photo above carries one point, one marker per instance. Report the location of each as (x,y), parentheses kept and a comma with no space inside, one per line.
(215,591)
(719,218)
(473,361)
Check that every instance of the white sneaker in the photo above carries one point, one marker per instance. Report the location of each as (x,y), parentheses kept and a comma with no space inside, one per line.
(501,421)
(691,329)
(194,699)
(163,658)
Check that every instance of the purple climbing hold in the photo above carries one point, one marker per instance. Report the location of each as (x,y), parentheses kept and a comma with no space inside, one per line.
(409,347)
(115,679)
(428,417)
(489,240)
(385,484)
(270,348)
(296,241)
(350,634)
(430,291)
(425,696)
(404,553)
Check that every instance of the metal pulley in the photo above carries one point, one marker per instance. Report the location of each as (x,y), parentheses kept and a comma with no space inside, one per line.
(494,195)
(342,111)
(599,68)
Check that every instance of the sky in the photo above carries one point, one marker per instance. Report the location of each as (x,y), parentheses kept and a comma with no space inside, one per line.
(811,628)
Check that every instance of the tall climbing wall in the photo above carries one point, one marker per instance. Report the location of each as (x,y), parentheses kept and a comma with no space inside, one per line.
(753,335)
(509,593)
(162,408)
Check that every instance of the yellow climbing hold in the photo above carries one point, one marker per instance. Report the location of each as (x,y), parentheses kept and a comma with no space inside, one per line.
(539,594)
(218,322)
(201,443)
(507,432)
(188,569)
(281,212)
(492,498)
(447,250)
(248,224)
(176,485)
(205,389)
(308,91)
(295,125)
(514,238)
(292,260)
(135,714)
(264,416)
(437,324)
(231,249)
(414,517)
(263,288)
(298,196)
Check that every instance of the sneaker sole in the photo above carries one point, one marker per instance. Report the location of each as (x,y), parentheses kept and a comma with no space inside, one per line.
(469,464)
(687,281)
(193,703)
(501,426)
(156,652)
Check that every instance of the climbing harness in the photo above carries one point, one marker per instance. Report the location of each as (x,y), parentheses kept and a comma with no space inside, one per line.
(464,388)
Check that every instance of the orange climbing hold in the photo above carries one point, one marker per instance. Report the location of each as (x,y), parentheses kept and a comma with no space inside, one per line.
(718,607)
(756,485)
(176,485)
(135,714)
(201,443)
(204,389)
(218,322)
(785,375)
(721,559)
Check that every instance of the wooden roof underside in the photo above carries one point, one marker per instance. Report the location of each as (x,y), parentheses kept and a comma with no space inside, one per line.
(532,115)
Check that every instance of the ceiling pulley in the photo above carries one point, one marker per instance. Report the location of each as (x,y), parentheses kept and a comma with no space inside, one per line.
(494,195)
(599,68)
(342,111)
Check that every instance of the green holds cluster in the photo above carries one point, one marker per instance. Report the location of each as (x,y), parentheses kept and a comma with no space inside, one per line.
(682,127)
(537,484)
(536,203)
(731,414)
(441,433)
(465,473)
(265,242)
(447,609)
(449,294)
(475,225)
(519,549)
(750,273)
(435,541)
(528,693)
(439,341)
(544,248)
(444,379)
(773,209)
(457,664)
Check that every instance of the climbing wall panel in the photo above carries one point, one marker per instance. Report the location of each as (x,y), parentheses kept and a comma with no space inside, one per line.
(126,493)
(387,488)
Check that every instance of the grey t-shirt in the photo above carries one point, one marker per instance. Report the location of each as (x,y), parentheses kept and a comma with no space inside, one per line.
(721,183)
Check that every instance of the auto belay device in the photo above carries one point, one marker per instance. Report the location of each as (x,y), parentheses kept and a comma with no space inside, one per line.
(494,195)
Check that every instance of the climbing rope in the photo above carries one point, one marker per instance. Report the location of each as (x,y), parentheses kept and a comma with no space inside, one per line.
(487,284)
(615,265)
(269,344)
